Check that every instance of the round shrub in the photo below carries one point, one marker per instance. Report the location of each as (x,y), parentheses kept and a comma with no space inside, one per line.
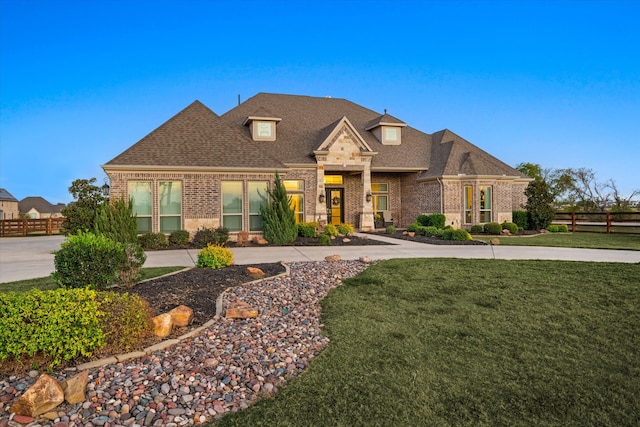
(153,241)
(492,228)
(330,230)
(214,256)
(345,229)
(127,319)
(456,234)
(413,227)
(179,238)
(437,220)
(563,228)
(209,236)
(85,259)
(390,229)
(476,229)
(307,229)
(553,228)
(324,239)
(423,220)
(513,228)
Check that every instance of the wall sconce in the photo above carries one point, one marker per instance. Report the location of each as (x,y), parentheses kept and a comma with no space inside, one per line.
(321,198)
(368,197)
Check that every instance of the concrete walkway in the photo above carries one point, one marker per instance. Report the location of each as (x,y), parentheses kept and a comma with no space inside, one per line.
(32,257)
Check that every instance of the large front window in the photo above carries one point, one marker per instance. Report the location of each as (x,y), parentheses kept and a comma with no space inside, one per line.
(485,204)
(295,191)
(380,197)
(232,205)
(257,198)
(140,193)
(468,204)
(170,195)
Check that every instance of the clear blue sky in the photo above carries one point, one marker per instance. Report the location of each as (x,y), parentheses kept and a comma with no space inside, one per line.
(549,82)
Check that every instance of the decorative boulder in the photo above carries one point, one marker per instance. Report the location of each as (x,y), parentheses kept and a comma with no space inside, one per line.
(495,241)
(75,387)
(243,238)
(255,272)
(162,325)
(40,398)
(332,258)
(181,315)
(240,310)
(260,240)
(506,232)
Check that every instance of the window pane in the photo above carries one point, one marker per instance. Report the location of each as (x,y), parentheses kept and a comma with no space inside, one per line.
(140,192)
(232,197)
(293,185)
(144,224)
(297,203)
(232,222)
(380,203)
(257,196)
(169,224)
(170,197)
(255,223)
(380,188)
(333,179)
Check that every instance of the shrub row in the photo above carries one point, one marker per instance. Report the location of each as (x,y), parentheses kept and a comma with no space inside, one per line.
(561,228)
(67,323)
(435,220)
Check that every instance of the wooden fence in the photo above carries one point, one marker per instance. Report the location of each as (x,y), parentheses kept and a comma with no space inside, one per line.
(22,227)
(600,222)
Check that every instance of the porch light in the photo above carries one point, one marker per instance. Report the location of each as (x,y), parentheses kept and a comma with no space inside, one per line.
(321,198)
(368,197)
(105,188)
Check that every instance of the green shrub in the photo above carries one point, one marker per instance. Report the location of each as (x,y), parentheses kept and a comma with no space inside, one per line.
(513,228)
(563,228)
(432,231)
(423,220)
(520,219)
(127,320)
(448,227)
(307,229)
(86,259)
(437,220)
(453,234)
(476,229)
(153,241)
(134,259)
(345,229)
(278,219)
(61,324)
(553,228)
(324,239)
(179,238)
(413,227)
(492,228)
(390,229)
(209,236)
(117,221)
(330,230)
(215,257)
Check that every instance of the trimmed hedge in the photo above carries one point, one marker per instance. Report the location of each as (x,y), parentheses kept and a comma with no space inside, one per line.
(307,229)
(153,241)
(179,237)
(215,257)
(457,234)
(209,236)
(492,228)
(512,227)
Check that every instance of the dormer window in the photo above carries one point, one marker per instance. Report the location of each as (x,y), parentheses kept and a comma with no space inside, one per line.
(262,128)
(387,129)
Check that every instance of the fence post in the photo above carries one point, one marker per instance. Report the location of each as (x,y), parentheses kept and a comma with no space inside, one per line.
(573,222)
(608,222)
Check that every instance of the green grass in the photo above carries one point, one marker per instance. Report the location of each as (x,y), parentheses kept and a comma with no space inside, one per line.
(571,240)
(46,283)
(435,342)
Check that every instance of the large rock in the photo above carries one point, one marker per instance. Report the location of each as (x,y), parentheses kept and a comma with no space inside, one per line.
(242,238)
(240,310)
(255,272)
(495,241)
(162,325)
(74,387)
(182,315)
(332,258)
(41,397)
(260,240)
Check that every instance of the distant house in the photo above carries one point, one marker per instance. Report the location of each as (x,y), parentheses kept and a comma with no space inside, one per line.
(38,207)
(339,161)
(8,205)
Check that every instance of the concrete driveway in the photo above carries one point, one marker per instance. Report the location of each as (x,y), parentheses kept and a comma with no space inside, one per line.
(32,257)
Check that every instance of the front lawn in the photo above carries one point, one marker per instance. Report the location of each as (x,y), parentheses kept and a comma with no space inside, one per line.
(570,240)
(472,342)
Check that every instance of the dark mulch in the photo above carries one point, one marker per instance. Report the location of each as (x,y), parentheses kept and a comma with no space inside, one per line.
(197,288)
(430,240)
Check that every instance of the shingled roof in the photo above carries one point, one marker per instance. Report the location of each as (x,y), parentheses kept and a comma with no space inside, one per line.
(196,137)
(6,196)
(39,204)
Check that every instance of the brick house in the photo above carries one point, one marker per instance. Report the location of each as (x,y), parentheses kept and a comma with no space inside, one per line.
(38,207)
(8,205)
(339,161)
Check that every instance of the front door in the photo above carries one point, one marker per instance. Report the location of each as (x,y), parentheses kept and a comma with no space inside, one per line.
(335,206)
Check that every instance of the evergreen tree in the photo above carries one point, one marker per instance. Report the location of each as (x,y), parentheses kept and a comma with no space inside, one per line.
(279,222)
(117,221)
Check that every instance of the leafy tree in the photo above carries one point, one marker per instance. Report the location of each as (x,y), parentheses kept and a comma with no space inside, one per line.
(539,206)
(80,214)
(279,223)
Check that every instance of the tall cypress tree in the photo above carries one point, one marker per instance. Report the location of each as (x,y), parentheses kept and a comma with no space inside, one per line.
(279,222)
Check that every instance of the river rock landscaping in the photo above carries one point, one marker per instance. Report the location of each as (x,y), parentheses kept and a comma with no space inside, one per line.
(224,368)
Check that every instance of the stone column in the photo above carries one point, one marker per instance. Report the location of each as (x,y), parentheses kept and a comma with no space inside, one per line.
(366,216)
(321,208)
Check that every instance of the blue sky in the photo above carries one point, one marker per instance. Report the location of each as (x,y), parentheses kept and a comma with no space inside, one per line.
(549,82)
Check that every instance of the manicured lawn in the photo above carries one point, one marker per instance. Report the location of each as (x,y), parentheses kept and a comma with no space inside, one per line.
(571,240)
(44,283)
(472,342)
